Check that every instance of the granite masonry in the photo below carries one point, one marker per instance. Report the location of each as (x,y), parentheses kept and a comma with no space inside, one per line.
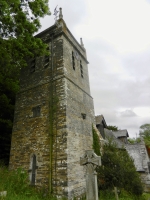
(54,114)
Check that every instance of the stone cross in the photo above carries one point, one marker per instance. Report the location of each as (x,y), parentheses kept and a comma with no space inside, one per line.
(91,161)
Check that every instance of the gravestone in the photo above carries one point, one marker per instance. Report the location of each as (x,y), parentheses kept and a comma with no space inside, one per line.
(3,194)
(90,160)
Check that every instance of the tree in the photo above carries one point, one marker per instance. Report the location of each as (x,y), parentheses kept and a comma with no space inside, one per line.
(113,128)
(118,170)
(145,133)
(8,89)
(134,140)
(19,20)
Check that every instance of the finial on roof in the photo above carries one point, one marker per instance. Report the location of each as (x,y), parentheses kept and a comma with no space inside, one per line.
(81,42)
(60,13)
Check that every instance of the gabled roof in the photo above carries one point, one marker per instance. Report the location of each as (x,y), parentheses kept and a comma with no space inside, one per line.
(100,120)
(134,151)
(121,133)
(109,135)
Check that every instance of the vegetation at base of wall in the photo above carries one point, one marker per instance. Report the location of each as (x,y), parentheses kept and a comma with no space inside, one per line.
(122,195)
(118,170)
(96,142)
(16,183)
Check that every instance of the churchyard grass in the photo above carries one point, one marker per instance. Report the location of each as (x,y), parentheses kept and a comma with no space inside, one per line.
(17,186)
(109,195)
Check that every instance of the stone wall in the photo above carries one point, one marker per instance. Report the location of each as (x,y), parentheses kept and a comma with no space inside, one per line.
(61,133)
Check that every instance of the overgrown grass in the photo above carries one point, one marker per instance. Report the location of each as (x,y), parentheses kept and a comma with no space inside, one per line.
(109,195)
(17,186)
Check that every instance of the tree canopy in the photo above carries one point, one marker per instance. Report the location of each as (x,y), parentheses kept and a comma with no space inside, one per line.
(19,20)
(145,133)
(113,128)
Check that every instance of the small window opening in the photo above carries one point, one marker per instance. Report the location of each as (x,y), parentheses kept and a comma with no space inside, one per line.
(32,65)
(46,59)
(36,111)
(73,61)
(81,69)
(83,115)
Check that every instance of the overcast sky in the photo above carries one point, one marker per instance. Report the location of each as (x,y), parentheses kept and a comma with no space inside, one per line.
(116,35)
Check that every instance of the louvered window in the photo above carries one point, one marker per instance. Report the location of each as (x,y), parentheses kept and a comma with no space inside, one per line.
(73,60)
(46,59)
(81,69)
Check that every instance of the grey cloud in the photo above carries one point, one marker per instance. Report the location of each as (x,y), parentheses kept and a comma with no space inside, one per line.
(112,91)
(138,64)
(127,113)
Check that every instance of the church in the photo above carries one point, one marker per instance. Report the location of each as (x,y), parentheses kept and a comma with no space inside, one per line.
(54,114)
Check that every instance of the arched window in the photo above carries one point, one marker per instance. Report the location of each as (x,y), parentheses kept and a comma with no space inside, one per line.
(33,169)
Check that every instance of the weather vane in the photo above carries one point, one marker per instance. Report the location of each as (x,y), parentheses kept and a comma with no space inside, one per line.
(55,13)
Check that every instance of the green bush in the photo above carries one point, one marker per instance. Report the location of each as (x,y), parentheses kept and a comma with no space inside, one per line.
(118,170)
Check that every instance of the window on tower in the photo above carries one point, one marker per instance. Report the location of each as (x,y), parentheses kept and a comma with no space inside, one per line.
(81,69)
(73,60)
(36,111)
(46,59)
(148,166)
(32,65)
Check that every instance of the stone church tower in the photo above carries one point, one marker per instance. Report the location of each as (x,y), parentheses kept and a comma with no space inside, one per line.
(54,114)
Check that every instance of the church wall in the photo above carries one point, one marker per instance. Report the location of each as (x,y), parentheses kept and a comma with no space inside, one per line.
(30,134)
(59,136)
(79,130)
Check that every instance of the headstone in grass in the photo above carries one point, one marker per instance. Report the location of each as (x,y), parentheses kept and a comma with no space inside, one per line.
(3,194)
(90,160)
(116,193)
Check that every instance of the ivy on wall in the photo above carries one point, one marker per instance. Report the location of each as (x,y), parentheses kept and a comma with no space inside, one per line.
(96,142)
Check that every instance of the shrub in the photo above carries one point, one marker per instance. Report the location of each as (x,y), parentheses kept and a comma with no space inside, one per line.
(118,170)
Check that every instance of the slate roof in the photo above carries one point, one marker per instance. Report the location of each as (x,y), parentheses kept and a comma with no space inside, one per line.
(109,134)
(135,153)
(100,120)
(121,133)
